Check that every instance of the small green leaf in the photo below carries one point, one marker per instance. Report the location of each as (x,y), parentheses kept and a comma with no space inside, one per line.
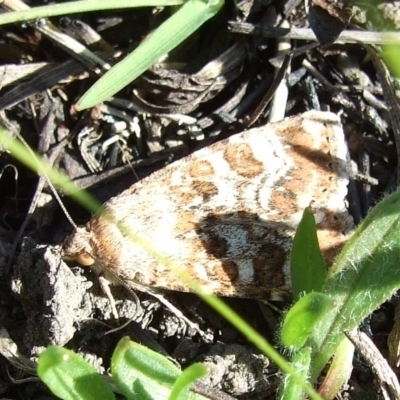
(301,363)
(165,38)
(307,266)
(141,373)
(180,390)
(302,318)
(70,377)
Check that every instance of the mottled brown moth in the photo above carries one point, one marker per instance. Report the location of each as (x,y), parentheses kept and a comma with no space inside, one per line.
(226,214)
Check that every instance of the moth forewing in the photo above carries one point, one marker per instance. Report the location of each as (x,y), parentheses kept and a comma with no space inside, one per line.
(227,213)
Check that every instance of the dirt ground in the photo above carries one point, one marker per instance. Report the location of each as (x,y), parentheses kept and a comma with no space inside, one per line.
(43,299)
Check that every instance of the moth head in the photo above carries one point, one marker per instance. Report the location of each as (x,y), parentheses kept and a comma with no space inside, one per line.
(77,247)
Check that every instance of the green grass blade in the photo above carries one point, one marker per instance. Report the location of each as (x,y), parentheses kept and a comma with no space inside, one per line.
(40,166)
(70,377)
(253,336)
(166,37)
(73,7)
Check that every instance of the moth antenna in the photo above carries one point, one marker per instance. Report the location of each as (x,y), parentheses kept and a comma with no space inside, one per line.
(59,201)
(35,198)
(129,162)
(49,182)
(149,291)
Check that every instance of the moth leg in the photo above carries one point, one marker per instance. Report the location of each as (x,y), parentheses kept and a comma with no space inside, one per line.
(137,311)
(174,310)
(105,287)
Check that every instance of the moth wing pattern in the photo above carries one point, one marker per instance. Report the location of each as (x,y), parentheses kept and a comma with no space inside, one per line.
(226,214)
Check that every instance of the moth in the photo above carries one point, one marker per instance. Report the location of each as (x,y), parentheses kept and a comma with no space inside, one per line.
(226,214)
